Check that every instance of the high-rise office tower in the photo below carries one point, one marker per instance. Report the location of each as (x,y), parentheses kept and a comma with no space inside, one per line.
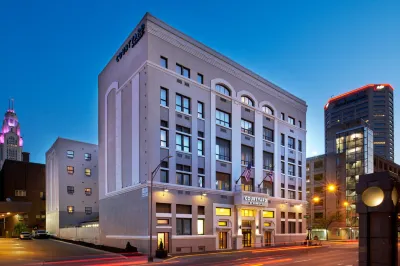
(372,106)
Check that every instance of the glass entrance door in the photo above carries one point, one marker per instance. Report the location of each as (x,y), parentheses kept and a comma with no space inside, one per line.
(267,238)
(164,239)
(223,240)
(246,241)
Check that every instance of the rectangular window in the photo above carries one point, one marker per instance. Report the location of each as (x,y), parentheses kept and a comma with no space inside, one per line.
(300,227)
(291,170)
(182,143)
(88,210)
(164,176)
(183,226)
(182,70)
(223,181)
(70,170)
(163,208)
(201,210)
(88,172)
(200,78)
(163,96)
(282,139)
(164,138)
(183,209)
(282,193)
(283,227)
(282,167)
(202,181)
(200,134)
(222,118)
(162,221)
(183,179)
(247,127)
(292,194)
(70,154)
(222,211)
(291,215)
(283,215)
(222,223)
(70,190)
(200,147)
(200,110)
(200,226)
(300,216)
(247,155)
(20,193)
(247,213)
(291,120)
(183,129)
(268,134)
(318,215)
(182,104)
(163,61)
(283,116)
(268,214)
(70,209)
(292,227)
(223,149)
(267,224)
(291,143)
(299,146)
(88,157)
(88,191)
(300,125)
(268,161)
(299,171)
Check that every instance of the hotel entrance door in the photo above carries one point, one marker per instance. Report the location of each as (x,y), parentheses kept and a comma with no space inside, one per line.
(223,240)
(164,238)
(246,241)
(267,238)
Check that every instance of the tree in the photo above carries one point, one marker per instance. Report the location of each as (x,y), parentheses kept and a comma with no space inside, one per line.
(326,222)
(19,228)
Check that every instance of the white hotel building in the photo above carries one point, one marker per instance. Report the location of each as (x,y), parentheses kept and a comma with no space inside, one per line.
(164,93)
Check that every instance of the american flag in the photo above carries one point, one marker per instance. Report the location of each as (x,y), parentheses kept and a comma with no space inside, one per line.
(270,175)
(247,172)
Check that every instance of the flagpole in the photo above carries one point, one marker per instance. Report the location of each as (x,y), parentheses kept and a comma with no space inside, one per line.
(240,177)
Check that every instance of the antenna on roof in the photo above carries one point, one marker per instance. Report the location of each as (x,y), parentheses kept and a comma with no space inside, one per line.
(11,104)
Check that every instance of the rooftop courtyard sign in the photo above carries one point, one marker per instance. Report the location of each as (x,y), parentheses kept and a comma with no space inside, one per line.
(131,43)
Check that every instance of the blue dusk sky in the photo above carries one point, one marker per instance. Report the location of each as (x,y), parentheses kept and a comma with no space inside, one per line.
(51,53)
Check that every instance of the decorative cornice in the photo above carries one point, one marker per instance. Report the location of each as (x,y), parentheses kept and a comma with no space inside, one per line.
(249,78)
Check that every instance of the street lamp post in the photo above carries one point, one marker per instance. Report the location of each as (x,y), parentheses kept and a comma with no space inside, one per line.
(153,174)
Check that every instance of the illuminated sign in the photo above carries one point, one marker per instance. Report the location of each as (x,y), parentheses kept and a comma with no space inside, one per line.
(131,43)
(255,200)
(380,87)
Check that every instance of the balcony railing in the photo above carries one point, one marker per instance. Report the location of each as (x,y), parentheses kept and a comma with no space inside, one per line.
(222,157)
(247,131)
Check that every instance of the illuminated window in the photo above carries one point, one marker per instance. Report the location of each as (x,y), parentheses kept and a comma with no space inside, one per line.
(379,142)
(70,209)
(163,221)
(88,157)
(88,191)
(200,226)
(223,211)
(222,223)
(268,214)
(247,213)
(247,100)
(267,224)
(20,193)
(70,170)
(88,172)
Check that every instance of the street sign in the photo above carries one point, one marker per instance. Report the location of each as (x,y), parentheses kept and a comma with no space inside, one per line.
(306,216)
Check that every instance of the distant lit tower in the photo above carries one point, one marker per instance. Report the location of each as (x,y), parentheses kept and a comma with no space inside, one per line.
(10,136)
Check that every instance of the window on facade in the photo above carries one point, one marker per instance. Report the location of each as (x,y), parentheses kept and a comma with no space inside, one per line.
(247,100)
(88,172)
(70,209)
(163,208)
(318,164)
(164,176)
(164,138)
(283,231)
(299,145)
(282,139)
(184,179)
(222,89)
(268,110)
(247,213)
(223,149)
(299,171)
(282,167)
(292,227)
(282,193)
(292,194)
(201,210)
(70,154)
(268,161)
(200,147)
(247,155)
(291,170)
(88,191)
(283,215)
(88,157)
(291,143)
(70,170)
(184,71)
(283,116)
(88,210)
(318,215)
(223,223)
(162,221)
(183,209)
(222,211)
(223,181)
(163,61)
(200,78)
(163,96)
(200,226)
(246,127)
(183,226)
(291,120)
(222,118)
(200,110)
(300,227)
(202,181)
(20,193)
(291,215)
(268,134)
(318,177)
(300,125)
(182,104)
(182,142)
(70,190)
(268,214)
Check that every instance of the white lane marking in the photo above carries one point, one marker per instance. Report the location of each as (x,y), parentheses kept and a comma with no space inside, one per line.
(301,261)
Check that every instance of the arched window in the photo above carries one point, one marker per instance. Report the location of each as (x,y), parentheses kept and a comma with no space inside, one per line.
(268,110)
(222,89)
(11,140)
(247,100)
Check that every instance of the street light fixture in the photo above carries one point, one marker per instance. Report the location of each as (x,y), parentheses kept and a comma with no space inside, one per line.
(331,188)
(153,174)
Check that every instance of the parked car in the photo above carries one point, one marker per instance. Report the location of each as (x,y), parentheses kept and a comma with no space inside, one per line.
(25,235)
(40,234)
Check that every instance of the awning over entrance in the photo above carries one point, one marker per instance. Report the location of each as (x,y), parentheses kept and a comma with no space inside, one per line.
(8,208)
